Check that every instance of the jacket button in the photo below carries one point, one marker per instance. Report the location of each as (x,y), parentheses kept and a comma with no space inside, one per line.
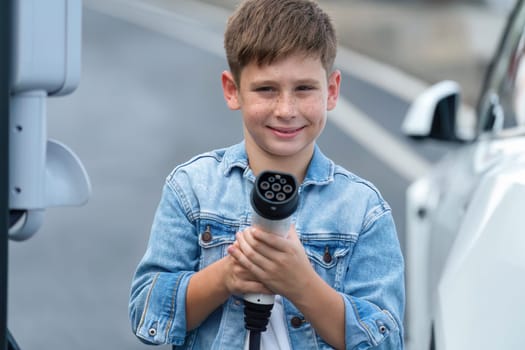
(152,332)
(206,235)
(296,322)
(327,257)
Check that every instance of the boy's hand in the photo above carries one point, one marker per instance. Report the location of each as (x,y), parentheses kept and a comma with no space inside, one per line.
(239,280)
(280,263)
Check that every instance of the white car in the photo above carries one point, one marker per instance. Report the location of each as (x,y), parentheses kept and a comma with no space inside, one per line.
(465,243)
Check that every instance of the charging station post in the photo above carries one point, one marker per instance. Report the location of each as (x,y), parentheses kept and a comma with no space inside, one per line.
(40,45)
(5,37)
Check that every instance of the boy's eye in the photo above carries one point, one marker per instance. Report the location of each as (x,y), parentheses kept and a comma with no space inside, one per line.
(264,89)
(305,88)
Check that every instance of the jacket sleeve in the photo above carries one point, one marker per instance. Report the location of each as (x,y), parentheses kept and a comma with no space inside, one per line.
(374,307)
(157,306)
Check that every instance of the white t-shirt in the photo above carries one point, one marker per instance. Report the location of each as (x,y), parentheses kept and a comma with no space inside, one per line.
(276,335)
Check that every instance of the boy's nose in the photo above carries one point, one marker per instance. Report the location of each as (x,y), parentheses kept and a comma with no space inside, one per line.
(285,106)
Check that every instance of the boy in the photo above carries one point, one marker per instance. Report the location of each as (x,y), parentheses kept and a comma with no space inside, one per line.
(338,273)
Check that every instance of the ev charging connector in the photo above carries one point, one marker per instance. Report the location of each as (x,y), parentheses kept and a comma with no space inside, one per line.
(274,199)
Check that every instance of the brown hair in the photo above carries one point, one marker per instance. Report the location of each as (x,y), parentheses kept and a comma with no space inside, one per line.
(264,31)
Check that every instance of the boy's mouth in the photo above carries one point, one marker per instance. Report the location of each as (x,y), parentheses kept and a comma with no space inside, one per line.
(286,131)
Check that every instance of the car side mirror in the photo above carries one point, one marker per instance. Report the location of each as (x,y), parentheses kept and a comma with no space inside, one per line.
(434,113)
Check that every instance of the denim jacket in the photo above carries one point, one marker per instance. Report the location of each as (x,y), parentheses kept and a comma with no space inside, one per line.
(344,225)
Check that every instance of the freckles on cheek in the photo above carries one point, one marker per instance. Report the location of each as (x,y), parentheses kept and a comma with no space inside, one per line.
(315,109)
(258,110)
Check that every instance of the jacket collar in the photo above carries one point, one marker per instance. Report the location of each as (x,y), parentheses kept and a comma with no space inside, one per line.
(320,170)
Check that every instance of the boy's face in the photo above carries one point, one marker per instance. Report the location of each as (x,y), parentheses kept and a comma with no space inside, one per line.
(284,105)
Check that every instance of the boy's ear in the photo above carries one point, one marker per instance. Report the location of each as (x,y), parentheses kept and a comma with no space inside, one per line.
(334,83)
(229,88)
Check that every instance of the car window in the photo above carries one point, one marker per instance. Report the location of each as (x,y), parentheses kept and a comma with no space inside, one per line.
(502,103)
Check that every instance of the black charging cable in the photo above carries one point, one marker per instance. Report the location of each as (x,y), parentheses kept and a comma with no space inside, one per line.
(274,199)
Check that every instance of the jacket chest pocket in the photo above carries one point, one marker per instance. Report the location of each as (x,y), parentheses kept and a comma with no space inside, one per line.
(329,254)
(214,239)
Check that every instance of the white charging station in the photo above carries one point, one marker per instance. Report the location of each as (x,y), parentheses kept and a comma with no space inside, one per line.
(46,62)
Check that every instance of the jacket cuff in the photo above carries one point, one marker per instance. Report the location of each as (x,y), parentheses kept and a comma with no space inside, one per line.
(367,325)
(164,318)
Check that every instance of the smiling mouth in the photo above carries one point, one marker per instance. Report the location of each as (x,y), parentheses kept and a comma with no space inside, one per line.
(289,131)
